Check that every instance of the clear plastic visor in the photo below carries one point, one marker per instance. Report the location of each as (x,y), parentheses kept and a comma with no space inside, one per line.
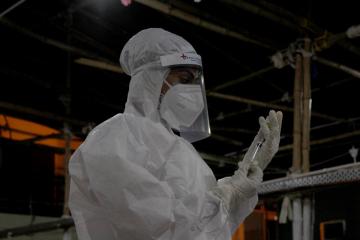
(191,75)
(188,68)
(200,129)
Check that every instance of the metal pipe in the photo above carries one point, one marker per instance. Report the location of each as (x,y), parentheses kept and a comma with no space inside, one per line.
(267,105)
(42,114)
(12,7)
(299,23)
(99,64)
(338,66)
(243,79)
(307,223)
(52,42)
(227,140)
(170,10)
(36,228)
(297,221)
(324,140)
(249,7)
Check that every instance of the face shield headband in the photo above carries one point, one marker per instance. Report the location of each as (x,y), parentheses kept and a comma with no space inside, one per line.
(200,127)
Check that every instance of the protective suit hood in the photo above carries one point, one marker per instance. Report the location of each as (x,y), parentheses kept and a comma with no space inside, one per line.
(140,58)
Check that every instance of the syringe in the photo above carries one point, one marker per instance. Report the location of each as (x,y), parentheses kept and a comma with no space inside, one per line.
(258,146)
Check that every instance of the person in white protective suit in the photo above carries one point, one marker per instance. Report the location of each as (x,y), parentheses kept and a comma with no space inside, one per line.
(134,179)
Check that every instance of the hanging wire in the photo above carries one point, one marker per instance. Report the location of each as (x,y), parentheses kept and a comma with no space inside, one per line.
(11,8)
(329,160)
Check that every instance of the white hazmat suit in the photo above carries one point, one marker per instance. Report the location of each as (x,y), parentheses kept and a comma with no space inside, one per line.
(134,179)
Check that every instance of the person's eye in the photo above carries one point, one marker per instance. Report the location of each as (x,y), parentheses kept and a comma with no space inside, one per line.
(186,80)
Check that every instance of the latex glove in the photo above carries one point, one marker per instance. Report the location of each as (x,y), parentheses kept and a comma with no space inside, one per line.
(269,134)
(247,179)
(239,187)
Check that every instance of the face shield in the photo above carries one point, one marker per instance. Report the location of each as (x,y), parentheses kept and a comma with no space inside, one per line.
(184,105)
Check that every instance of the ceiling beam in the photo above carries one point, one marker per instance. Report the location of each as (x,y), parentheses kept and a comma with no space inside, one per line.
(297,23)
(198,21)
(39,138)
(341,67)
(233,161)
(267,105)
(256,10)
(53,42)
(324,140)
(42,114)
(242,79)
(99,64)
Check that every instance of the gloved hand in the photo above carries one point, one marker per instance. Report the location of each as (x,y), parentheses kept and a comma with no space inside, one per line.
(269,134)
(239,187)
(245,181)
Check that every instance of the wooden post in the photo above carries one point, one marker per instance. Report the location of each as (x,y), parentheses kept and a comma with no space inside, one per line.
(305,145)
(296,166)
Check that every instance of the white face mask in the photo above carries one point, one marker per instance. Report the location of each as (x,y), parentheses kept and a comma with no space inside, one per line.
(181,105)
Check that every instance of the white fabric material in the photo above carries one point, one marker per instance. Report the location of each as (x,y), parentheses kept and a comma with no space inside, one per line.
(181,59)
(297,221)
(353,31)
(140,58)
(181,105)
(307,219)
(242,185)
(133,179)
(285,211)
(278,60)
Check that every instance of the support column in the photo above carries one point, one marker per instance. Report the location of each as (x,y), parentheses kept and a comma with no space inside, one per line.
(297,127)
(306,103)
(297,153)
(305,145)
(67,130)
